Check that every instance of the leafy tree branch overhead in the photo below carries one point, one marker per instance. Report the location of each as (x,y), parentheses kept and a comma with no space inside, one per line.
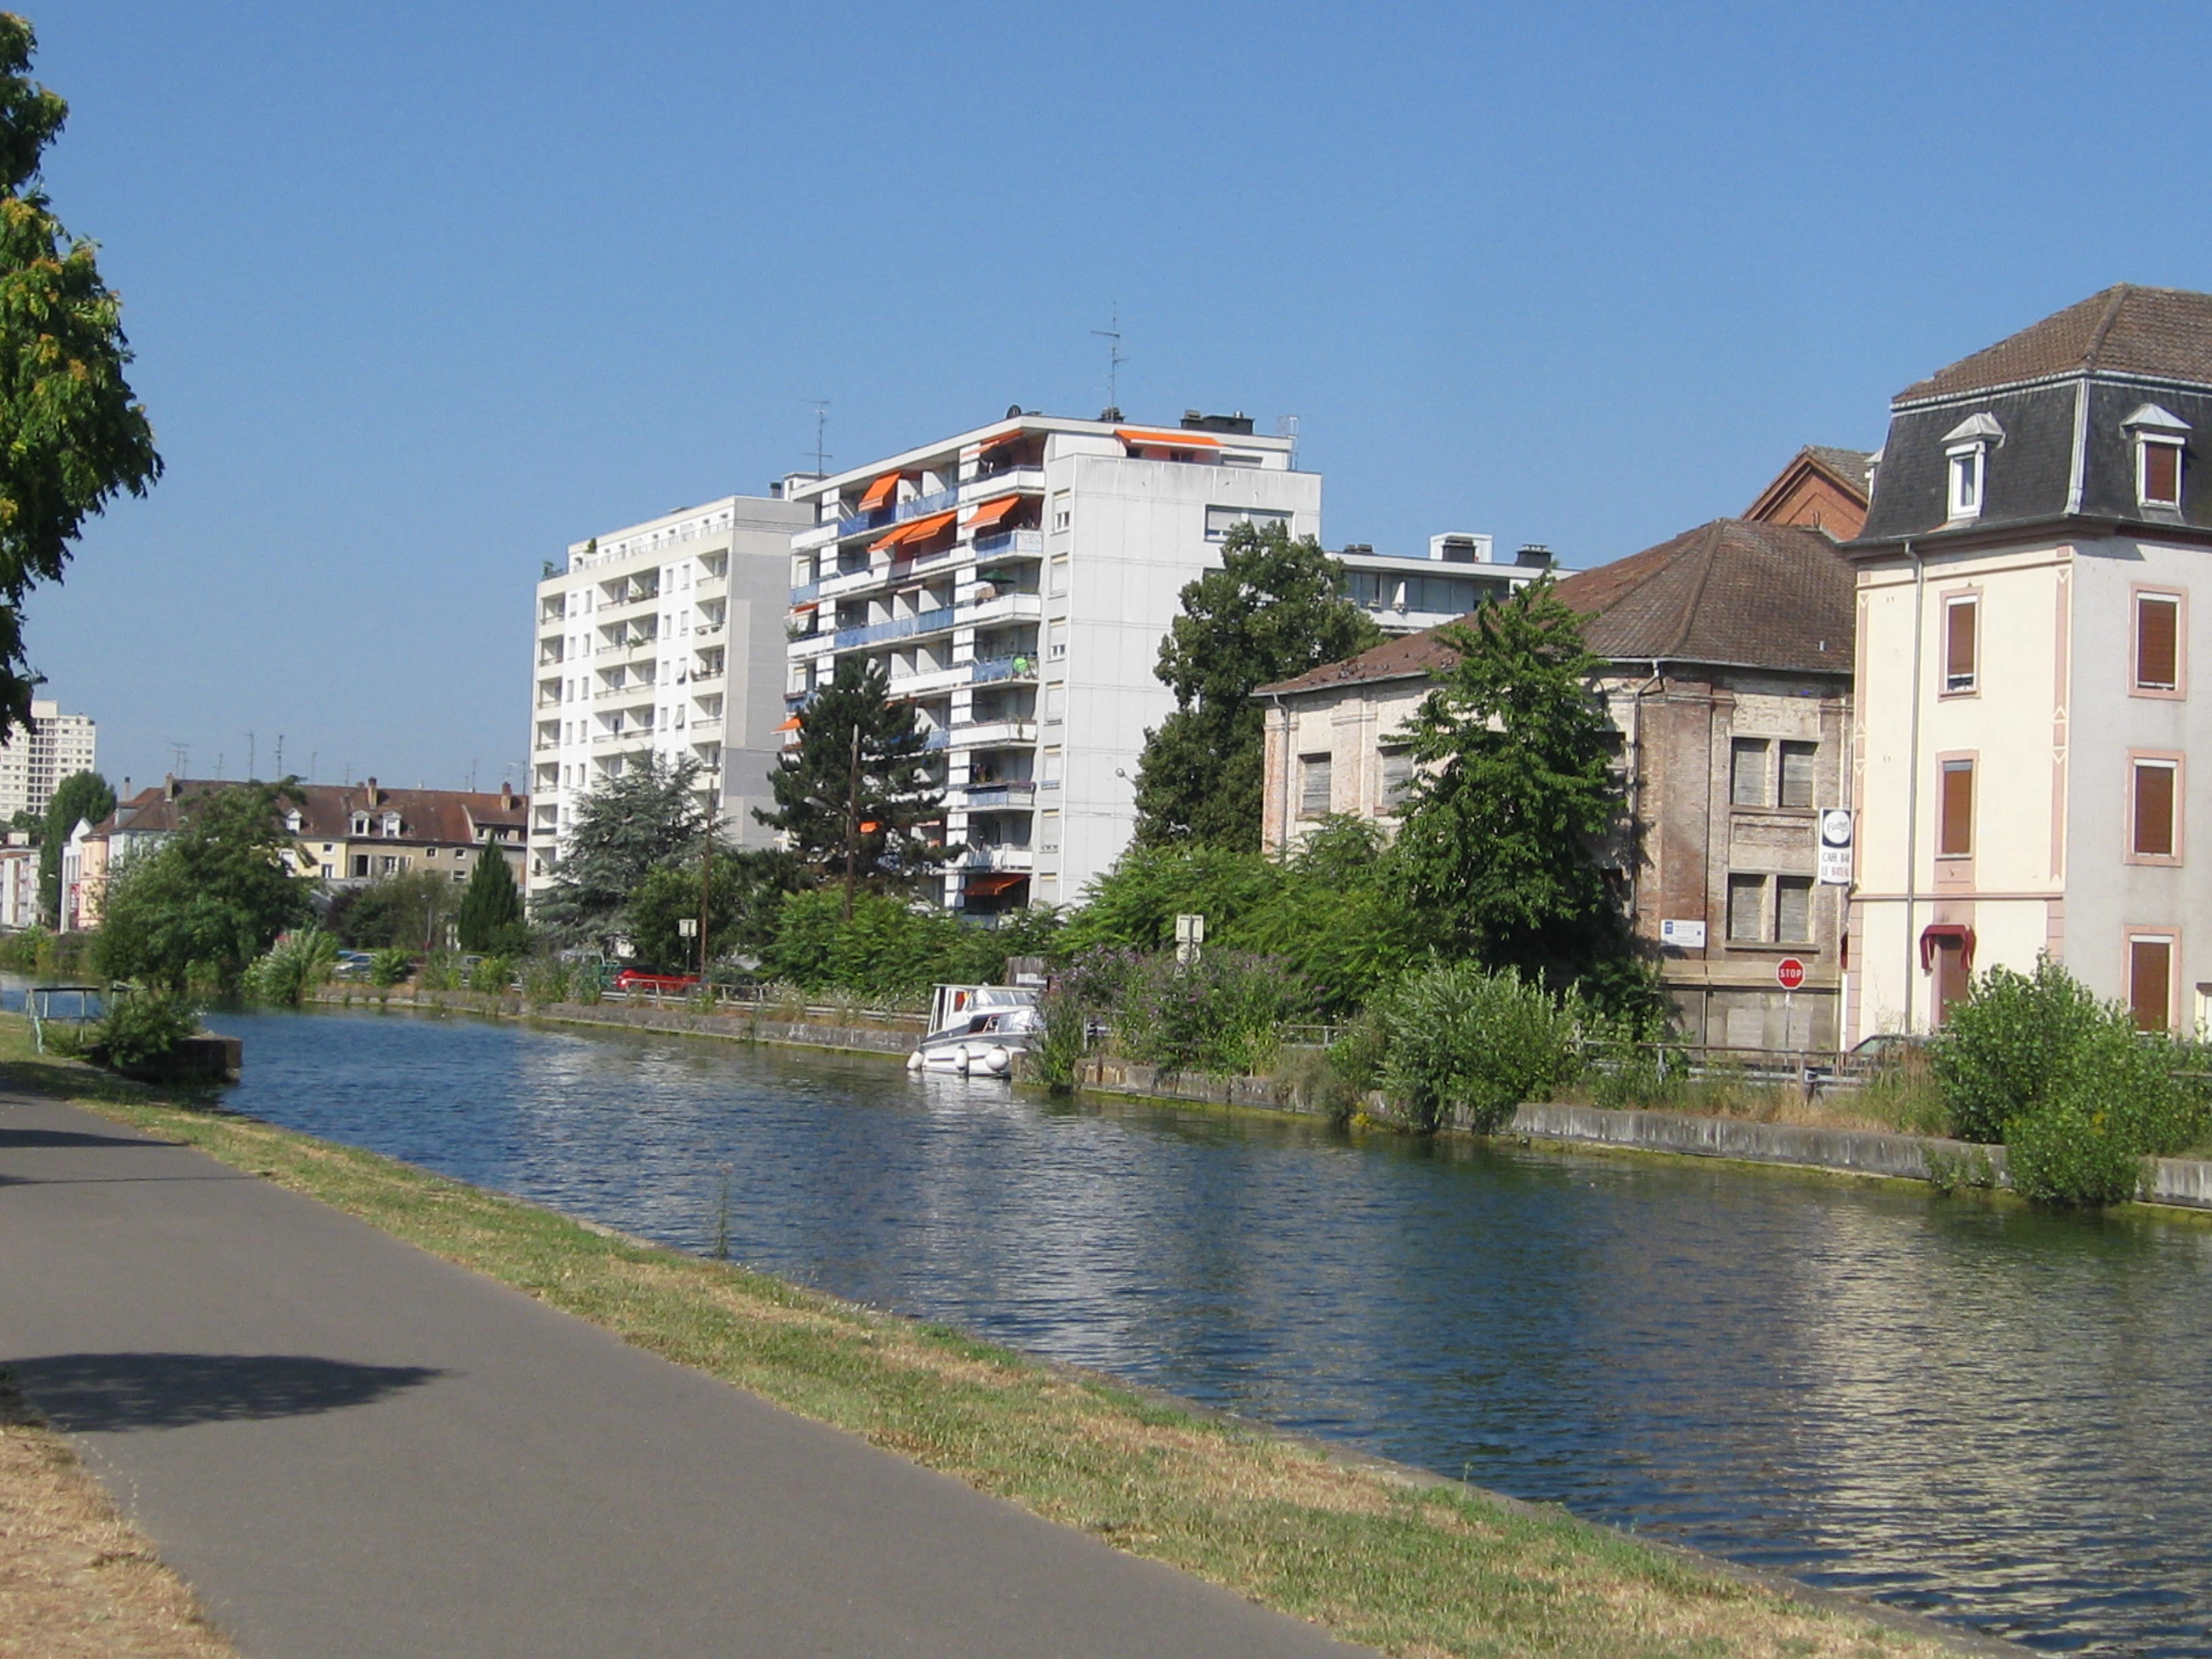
(72,437)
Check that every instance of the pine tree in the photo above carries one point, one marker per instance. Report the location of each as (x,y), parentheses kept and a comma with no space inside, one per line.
(859,796)
(1276,608)
(624,830)
(491,913)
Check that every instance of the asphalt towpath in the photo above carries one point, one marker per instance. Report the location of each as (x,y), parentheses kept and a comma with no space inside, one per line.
(349,1448)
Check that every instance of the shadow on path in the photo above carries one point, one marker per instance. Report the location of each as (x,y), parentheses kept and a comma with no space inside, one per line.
(13,1139)
(116,1393)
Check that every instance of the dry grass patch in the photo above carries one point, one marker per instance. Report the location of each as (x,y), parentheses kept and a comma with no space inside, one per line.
(76,1580)
(1407,1569)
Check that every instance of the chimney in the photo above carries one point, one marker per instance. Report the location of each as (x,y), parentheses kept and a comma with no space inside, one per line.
(171,787)
(506,796)
(1535,554)
(374,799)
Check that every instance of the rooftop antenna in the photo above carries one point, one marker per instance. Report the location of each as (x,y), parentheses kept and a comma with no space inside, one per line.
(1113,360)
(1286,426)
(280,754)
(180,756)
(250,772)
(472,777)
(313,755)
(821,407)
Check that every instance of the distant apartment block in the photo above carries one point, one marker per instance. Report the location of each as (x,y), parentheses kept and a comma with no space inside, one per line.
(1015,582)
(663,638)
(37,757)
(1406,595)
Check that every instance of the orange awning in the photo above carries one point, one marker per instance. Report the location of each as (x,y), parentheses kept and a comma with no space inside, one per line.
(991,513)
(921,530)
(790,725)
(879,493)
(1001,441)
(992,886)
(1132,436)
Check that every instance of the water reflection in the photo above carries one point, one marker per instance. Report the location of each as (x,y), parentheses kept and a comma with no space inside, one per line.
(1993,1416)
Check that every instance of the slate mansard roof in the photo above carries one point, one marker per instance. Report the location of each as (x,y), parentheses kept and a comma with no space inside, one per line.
(2062,392)
(1728,594)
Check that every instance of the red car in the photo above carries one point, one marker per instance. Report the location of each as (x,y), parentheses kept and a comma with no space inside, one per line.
(644,979)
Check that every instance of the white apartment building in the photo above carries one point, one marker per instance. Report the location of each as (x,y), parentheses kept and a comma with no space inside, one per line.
(1412,595)
(664,637)
(1016,580)
(37,757)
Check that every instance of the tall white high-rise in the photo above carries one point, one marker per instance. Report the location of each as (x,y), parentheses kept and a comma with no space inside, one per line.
(664,637)
(37,757)
(1015,582)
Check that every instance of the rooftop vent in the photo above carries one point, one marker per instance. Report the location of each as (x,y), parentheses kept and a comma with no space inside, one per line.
(1240,423)
(1535,554)
(1459,547)
(1358,547)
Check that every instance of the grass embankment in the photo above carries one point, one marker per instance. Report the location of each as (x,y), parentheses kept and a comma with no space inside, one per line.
(76,1580)
(1408,1568)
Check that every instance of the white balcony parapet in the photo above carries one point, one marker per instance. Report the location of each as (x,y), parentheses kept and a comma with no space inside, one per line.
(987,734)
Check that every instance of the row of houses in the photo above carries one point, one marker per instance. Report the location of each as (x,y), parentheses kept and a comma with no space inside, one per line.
(1963,665)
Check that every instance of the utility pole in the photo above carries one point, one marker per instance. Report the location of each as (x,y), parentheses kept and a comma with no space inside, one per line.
(706,891)
(249,756)
(852,821)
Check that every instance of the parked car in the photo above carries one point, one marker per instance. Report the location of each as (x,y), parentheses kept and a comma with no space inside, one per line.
(655,982)
(351,964)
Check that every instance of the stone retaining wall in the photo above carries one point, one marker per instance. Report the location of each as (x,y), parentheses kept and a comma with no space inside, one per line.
(736,1026)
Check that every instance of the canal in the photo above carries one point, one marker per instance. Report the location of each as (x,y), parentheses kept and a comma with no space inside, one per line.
(1998,1418)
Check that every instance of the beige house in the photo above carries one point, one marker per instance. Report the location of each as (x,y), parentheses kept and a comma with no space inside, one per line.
(1730,654)
(2029,752)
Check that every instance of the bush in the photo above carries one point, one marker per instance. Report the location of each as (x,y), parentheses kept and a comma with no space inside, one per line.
(2002,1048)
(147,1025)
(545,981)
(441,971)
(494,974)
(2113,1102)
(1222,1014)
(296,964)
(1062,1042)
(1459,1036)
(386,967)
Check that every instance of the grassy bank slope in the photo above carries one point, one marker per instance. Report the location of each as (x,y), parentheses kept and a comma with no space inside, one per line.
(1406,1568)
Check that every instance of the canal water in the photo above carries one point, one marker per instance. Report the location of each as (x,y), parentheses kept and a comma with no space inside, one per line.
(1999,1418)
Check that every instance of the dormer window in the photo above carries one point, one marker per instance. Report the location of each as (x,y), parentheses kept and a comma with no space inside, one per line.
(293,822)
(360,824)
(392,823)
(1967,451)
(2157,436)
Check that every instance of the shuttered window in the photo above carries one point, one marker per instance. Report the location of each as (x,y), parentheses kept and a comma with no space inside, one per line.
(2158,641)
(2154,809)
(1746,907)
(1954,833)
(1314,794)
(1961,631)
(1397,777)
(2161,473)
(1798,774)
(2150,982)
(1748,782)
(1793,909)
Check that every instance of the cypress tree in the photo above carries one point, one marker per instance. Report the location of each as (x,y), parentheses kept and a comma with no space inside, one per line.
(491,913)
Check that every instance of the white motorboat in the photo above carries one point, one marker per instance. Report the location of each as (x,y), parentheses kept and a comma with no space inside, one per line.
(977,1029)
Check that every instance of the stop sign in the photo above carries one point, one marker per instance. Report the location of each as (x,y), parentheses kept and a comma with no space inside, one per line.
(1789,972)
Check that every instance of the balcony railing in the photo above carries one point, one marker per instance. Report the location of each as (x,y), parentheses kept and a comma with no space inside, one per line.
(1011,541)
(883,517)
(992,670)
(807,593)
(1004,479)
(983,734)
(939,621)
(999,858)
(1002,607)
(1017,793)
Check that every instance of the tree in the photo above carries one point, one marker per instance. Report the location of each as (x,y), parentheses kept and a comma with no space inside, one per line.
(745,890)
(857,797)
(624,830)
(80,797)
(491,914)
(71,437)
(406,911)
(1275,609)
(210,899)
(1502,843)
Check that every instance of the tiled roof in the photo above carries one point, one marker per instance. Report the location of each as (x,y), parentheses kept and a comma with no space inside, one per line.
(1730,593)
(1849,464)
(448,816)
(2165,332)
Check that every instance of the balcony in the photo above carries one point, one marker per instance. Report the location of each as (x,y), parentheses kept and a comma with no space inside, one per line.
(1000,483)
(929,680)
(1015,543)
(943,619)
(807,593)
(991,671)
(1005,607)
(982,797)
(884,517)
(994,734)
(999,858)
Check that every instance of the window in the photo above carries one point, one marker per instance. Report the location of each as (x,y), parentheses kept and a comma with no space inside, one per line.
(1962,627)
(1397,777)
(293,820)
(1793,909)
(2158,643)
(2158,435)
(388,866)
(1747,771)
(1220,520)
(392,823)
(1056,644)
(360,824)
(2153,814)
(1954,834)
(2150,981)
(1314,792)
(1966,450)
(1798,774)
(329,871)
(1058,583)
(1746,907)
(360,865)
(1063,509)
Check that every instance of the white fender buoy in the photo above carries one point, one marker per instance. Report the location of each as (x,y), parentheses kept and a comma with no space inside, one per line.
(914,1060)
(998,1060)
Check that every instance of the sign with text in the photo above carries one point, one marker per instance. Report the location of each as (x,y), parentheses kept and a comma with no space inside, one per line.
(1190,938)
(1835,846)
(1790,973)
(1682,935)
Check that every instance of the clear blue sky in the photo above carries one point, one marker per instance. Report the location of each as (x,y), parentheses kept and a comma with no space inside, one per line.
(422,293)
